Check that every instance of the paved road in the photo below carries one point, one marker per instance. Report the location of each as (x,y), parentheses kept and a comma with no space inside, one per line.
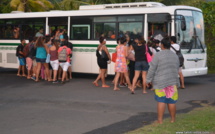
(77,107)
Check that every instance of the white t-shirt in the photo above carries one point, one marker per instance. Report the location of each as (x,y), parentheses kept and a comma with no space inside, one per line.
(176,46)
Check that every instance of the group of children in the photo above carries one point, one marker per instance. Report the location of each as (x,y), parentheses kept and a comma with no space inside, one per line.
(45,57)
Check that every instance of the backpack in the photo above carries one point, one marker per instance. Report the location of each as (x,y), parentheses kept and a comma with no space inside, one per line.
(26,50)
(62,56)
(180,56)
(17,51)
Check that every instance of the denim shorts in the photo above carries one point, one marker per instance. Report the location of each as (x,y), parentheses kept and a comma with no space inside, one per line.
(40,60)
(141,66)
(21,61)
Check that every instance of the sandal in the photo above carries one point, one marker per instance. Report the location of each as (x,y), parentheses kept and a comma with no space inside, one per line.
(19,75)
(105,86)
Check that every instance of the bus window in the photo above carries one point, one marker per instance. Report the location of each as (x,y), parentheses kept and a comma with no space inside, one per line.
(80,32)
(57,23)
(81,28)
(158,26)
(105,26)
(106,30)
(31,26)
(20,28)
(131,25)
(193,36)
(131,28)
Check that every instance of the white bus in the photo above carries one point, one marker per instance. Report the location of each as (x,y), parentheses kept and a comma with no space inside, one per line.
(86,25)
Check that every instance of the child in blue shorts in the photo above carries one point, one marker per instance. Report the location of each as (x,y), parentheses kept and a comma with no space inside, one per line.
(20,55)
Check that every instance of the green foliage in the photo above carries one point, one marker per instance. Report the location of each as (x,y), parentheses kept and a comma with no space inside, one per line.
(5,6)
(198,120)
(209,17)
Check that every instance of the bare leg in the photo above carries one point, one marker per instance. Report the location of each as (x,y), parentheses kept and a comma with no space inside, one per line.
(50,74)
(136,75)
(29,74)
(172,111)
(47,71)
(116,81)
(38,71)
(59,72)
(144,73)
(160,109)
(23,71)
(19,69)
(70,72)
(55,75)
(34,70)
(67,79)
(127,80)
(103,71)
(121,78)
(97,79)
(64,76)
(181,79)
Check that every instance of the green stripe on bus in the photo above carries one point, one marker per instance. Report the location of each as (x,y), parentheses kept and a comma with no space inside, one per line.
(75,45)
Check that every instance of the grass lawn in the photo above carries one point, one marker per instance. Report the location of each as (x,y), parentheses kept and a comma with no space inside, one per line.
(198,121)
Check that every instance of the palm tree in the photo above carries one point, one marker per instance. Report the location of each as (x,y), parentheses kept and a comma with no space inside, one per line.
(5,6)
(31,5)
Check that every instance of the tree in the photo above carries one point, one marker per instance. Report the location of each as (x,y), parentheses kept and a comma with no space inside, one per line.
(5,6)
(31,5)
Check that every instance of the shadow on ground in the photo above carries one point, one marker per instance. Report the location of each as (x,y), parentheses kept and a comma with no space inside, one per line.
(143,119)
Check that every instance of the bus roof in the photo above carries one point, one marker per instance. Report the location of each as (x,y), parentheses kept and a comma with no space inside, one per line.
(98,12)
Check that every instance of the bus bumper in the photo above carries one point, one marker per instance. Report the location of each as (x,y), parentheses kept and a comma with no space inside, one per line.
(195,71)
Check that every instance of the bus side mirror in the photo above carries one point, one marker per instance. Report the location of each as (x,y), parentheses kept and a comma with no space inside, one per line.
(183,23)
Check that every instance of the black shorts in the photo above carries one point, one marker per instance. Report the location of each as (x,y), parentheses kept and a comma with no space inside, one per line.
(102,64)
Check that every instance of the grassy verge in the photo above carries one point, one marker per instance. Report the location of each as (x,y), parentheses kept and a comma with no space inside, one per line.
(198,121)
(211,71)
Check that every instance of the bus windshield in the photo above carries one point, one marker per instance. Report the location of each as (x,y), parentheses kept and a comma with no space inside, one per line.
(193,36)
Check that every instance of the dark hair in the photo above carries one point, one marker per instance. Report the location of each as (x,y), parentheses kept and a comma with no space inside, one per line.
(156,41)
(117,40)
(173,39)
(141,40)
(61,30)
(39,42)
(54,43)
(101,39)
(47,38)
(22,39)
(166,43)
(122,40)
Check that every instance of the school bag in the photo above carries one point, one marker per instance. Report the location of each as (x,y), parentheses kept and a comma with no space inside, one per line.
(180,56)
(17,51)
(26,50)
(62,56)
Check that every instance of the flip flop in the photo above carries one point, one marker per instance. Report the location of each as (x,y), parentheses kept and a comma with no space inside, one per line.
(19,75)
(105,86)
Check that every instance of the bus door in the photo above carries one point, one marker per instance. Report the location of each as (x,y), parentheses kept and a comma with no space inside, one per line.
(159,26)
(190,36)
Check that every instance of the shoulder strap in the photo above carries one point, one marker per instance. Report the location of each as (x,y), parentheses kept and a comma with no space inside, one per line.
(146,48)
(174,49)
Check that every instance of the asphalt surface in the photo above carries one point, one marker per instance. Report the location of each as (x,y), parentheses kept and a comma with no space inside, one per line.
(77,107)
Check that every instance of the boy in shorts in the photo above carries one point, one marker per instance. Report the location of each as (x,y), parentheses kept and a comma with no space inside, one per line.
(19,54)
